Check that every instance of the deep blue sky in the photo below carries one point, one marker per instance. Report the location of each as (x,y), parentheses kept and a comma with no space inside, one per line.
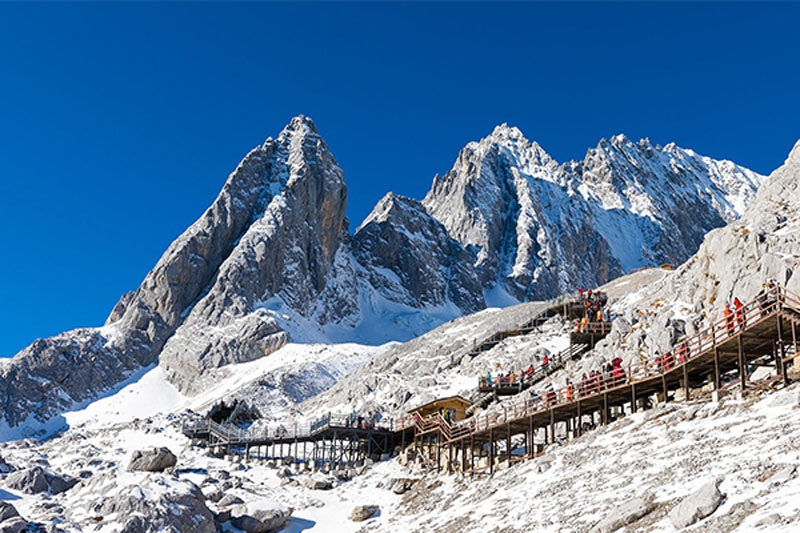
(119,122)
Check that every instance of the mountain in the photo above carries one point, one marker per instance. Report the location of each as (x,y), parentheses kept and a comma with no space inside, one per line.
(272,260)
(536,228)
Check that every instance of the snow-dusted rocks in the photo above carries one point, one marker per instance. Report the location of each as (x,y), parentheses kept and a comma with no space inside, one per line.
(319,481)
(536,228)
(696,506)
(625,514)
(149,503)
(153,460)
(36,480)
(363,512)
(261,516)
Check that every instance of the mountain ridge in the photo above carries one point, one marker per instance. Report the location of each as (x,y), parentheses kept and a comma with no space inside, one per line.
(274,244)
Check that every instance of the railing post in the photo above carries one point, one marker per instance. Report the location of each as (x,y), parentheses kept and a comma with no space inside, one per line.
(742,362)
(780,352)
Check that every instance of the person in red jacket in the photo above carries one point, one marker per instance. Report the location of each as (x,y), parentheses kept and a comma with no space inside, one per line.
(728,314)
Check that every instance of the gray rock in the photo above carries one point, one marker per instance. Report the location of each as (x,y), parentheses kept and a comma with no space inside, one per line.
(363,512)
(15,524)
(7,511)
(212,493)
(36,480)
(156,503)
(318,482)
(154,460)
(625,514)
(283,472)
(697,506)
(770,520)
(401,485)
(229,500)
(260,516)
(5,468)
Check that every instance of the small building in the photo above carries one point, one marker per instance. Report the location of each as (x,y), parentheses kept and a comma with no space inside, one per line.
(456,404)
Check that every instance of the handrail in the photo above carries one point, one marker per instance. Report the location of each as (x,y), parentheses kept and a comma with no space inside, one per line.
(524,380)
(765,305)
(230,434)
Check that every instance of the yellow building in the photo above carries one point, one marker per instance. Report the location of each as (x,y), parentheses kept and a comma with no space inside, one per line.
(455,404)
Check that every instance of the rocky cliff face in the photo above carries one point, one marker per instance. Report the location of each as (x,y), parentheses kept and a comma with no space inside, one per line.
(407,256)
(295,230)
(536,228)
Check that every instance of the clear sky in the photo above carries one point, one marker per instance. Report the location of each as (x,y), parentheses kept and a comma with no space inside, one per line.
(119,122)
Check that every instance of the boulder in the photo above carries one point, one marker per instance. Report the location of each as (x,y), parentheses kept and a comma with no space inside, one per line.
(154,503)
(363,512)
(260,516)
(625,514)
(5,468)
(16,524)
(7,511)
(319,482)
(696,506)
(401,485)
(155,460)
(36,480)
(229,500)
(212,493)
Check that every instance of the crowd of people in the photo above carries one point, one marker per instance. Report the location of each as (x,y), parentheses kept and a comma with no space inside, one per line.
(612,374)
(594,304)
(514,379)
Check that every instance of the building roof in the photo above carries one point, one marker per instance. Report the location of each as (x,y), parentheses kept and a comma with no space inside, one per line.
(457,398)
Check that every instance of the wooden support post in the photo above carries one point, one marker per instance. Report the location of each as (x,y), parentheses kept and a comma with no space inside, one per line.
(472,451)
(633,398)
(438,451)
(780,353)
(794,343)
(531,449)
(508,442)
(664,387)
(578,429)
(742,362)
(685,382)
(716,368)
(491,450)
(552,426)
(604,415)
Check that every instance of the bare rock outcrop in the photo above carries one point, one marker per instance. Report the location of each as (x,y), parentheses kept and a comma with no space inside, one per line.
(426,266)
(295,227)
(363,512)
(36,480)
(154,460)
(261,516)
(696,506)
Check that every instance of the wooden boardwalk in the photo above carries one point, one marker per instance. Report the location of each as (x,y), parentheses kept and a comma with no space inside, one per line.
(332,439)
(764,334)
(716,358)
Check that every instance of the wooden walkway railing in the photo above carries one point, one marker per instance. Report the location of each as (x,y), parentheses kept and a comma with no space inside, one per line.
(777,301)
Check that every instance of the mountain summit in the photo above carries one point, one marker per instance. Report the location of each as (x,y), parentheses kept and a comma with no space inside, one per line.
(536,228)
